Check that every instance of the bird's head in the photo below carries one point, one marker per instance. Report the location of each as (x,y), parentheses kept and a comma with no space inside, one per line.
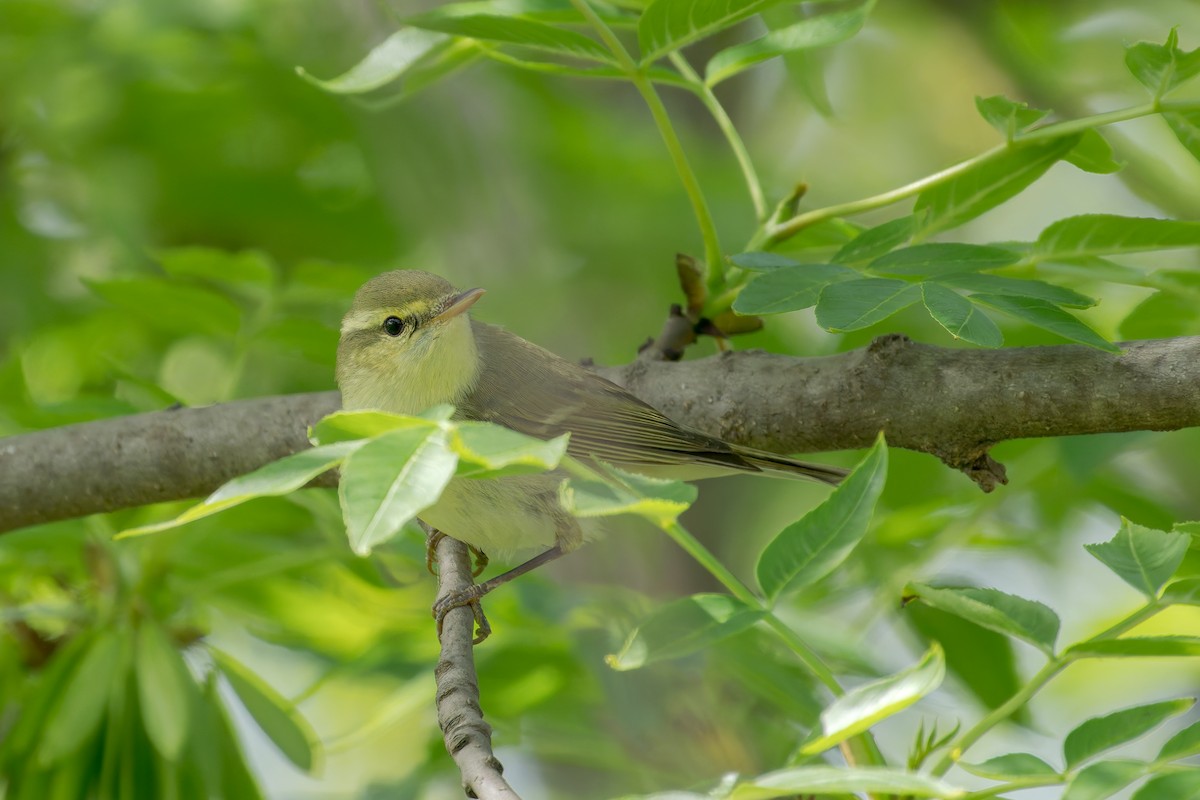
(406,344)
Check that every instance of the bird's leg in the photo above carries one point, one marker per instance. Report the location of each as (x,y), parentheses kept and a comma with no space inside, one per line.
(471,595)
(433,536)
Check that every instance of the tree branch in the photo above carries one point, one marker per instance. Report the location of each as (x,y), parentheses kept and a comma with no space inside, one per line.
(952,403)
(467,736)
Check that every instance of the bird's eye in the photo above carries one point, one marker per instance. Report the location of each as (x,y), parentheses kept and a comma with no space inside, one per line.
(393,326)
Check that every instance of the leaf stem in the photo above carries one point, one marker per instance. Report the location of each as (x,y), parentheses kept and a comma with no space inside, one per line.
(710,101)
(713,257)
(1044,676)
(774,234)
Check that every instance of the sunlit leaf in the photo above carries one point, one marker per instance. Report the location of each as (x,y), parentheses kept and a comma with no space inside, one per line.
(683,627)
(277,478)
(668,25)
(959,316)
(512,30)
(926,260)
(823,780)
(1138,647)
(856,304)
(1047,316)
(998,611)
(789,288)
(273,714)
(387,61)
(1093,154)
(390,479)
(1103,779)
(1010,117)
(1162,67)
(1142,557)
(818,31)
(341,426)
(1185,591)
(660,501)
(1186,127)
(1182,745)
(486,451)
(1182,785)
(864,706)
(1098,734)
(810,548)
(1012,766)
(164,690)
(1109,234)
(987,184)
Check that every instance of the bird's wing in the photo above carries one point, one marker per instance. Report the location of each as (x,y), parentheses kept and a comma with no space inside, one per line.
(531,390)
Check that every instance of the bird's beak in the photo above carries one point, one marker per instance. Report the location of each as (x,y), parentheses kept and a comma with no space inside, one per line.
(458,304)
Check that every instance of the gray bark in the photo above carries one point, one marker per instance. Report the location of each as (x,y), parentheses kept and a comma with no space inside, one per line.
(952,403)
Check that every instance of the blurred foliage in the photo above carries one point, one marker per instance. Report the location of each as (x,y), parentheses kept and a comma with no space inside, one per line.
(183,219)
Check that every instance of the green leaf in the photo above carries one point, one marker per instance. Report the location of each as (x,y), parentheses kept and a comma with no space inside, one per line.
(668,25)
(1109,234)
(165,688)
(875,242)
(76,715)
(1142,557)
(1046,316)
(684,627)
(1093,154)
(789,288)
(1182,745)
(864,706)
(387,62)
(1008,116)
(1162,67)
(763,262)
(1186,127)
(959,316)
(819,31)
(1103,779)
(1104,733)
(342,426)
(1164,314)
(172,306)
(277,478)
(822,780)
(275,715)
(1138,647)
(987,184)
(856,304)
(1183,785)
(810,548)
(926,260)
(390,479)
(512,30)
(1012,766)
(487,450)
(998,611)
(249,269)
(1185,591)
(1016,287)
(659,501)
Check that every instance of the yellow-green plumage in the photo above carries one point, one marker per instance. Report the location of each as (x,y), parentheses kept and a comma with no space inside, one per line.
(489,374)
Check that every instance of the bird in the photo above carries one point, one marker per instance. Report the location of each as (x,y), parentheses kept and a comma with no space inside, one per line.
(408,343)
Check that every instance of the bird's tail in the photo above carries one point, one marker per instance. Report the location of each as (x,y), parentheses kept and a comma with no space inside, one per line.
(791,468)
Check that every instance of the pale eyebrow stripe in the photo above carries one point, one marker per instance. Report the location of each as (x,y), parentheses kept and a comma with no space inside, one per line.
(373,318)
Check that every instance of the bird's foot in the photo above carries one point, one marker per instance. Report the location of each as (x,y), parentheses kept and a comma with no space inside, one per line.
(458,599)
(431,543)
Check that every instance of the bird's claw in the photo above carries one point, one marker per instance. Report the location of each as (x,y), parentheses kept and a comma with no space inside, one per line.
(463,597)
(431,543)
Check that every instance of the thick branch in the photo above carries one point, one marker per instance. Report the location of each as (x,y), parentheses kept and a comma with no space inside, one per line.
(953,403)
(467,736)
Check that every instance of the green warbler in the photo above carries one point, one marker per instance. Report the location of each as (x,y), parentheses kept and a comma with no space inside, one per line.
(407,343)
